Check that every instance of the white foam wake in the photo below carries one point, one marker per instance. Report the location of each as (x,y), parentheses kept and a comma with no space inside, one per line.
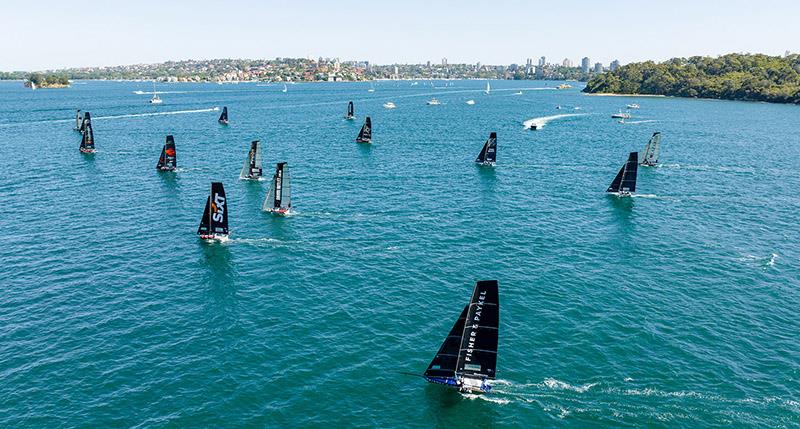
(175,112)
(542,121)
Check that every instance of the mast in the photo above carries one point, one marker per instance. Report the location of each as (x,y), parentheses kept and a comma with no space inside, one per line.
(365,135)
(477,354)
(652,150)
(488,154)
(223,117)
(168,159)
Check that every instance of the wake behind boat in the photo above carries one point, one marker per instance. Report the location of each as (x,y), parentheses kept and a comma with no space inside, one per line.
(488,154)
(624,183)
(87,139)
(467,359)
(279,196)
(251,170)
(214,223)
(168,161)
(365,134)
(621,115)
(389,105)
(651,151)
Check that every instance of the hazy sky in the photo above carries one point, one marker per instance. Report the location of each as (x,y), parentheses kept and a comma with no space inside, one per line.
(48,34)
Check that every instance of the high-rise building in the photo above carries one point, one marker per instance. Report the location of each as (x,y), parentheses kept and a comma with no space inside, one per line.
(598,67)
(542,61)
(567,62)
(444,61)
(585,65)
(614,65)
(429,64)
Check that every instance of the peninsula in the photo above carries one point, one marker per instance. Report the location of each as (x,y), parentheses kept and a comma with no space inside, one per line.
(750,77)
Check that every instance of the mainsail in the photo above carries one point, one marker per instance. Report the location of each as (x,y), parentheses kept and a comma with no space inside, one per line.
(168,159)
(625,181)
(488,154)
(365,135)
(468,355)
(215,216)
(87,140)
(223,117)
(279,196)
(78,120)
(350,111)
(488,88)
(252,165)
(651,151)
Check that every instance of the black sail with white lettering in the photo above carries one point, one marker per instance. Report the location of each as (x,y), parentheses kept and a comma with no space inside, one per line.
(87,140)
(350,111)
(625,180)
(223,117)
(444,363)
(365,135)
(477,355)
(279,196)
(215,215)
(252,165)
(488,153)
(168,159)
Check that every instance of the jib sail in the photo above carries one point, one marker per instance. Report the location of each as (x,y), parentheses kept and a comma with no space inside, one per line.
(444,363)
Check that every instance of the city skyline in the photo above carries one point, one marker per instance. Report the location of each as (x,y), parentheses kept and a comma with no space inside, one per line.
(119,33)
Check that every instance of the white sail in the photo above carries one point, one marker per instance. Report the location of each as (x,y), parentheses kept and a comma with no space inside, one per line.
(652,150)
(279,198)
(488,88)
(252,164)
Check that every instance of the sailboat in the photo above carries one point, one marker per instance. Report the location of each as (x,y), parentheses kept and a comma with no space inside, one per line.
(214,224)
(371,87)
(285,89)
(279,196)
(488,154)
(471,102)
(87,140)
(168,161)
(252,165)
(350,112)
(467,359)
(78,121)
(223,117)
(488,88)
(651,151)
(156,99)
(624,183)
(365,135)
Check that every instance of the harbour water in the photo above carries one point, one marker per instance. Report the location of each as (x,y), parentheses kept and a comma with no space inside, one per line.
(675,308)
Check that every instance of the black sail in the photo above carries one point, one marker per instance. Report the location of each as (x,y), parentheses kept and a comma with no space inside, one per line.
(477,354)
(625,180)
(84,120)
(223,117)
(444,363)
(215,215)
(489,151)
(365,135)
(252,165)
(350,111)
(87,140)
(168,159)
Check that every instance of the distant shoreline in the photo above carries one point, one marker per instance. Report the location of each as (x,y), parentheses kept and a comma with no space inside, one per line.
(613,94)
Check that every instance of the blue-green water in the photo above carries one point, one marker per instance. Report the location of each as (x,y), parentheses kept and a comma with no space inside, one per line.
(675,308)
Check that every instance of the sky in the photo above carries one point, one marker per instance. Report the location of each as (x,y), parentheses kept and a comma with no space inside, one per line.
(51,34)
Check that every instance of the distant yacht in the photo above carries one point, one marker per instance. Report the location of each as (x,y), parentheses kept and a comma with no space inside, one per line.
(564,86)
(632,106)
(621,115)
(168,161)
(371,87)
(279,196)
(365,135)
(156,99)
(558,107)
(471,102)
(518,93)
(488,89)
(624,183)
(433,102)
(651,151)
(488,155)
(467,358)
(414,83)
(87,140)
(350,115)
(251,170)
(214,223)
(389,105)
(285,89)
(223,117)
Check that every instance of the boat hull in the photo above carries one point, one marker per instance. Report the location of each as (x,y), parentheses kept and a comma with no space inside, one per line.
(462,385)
